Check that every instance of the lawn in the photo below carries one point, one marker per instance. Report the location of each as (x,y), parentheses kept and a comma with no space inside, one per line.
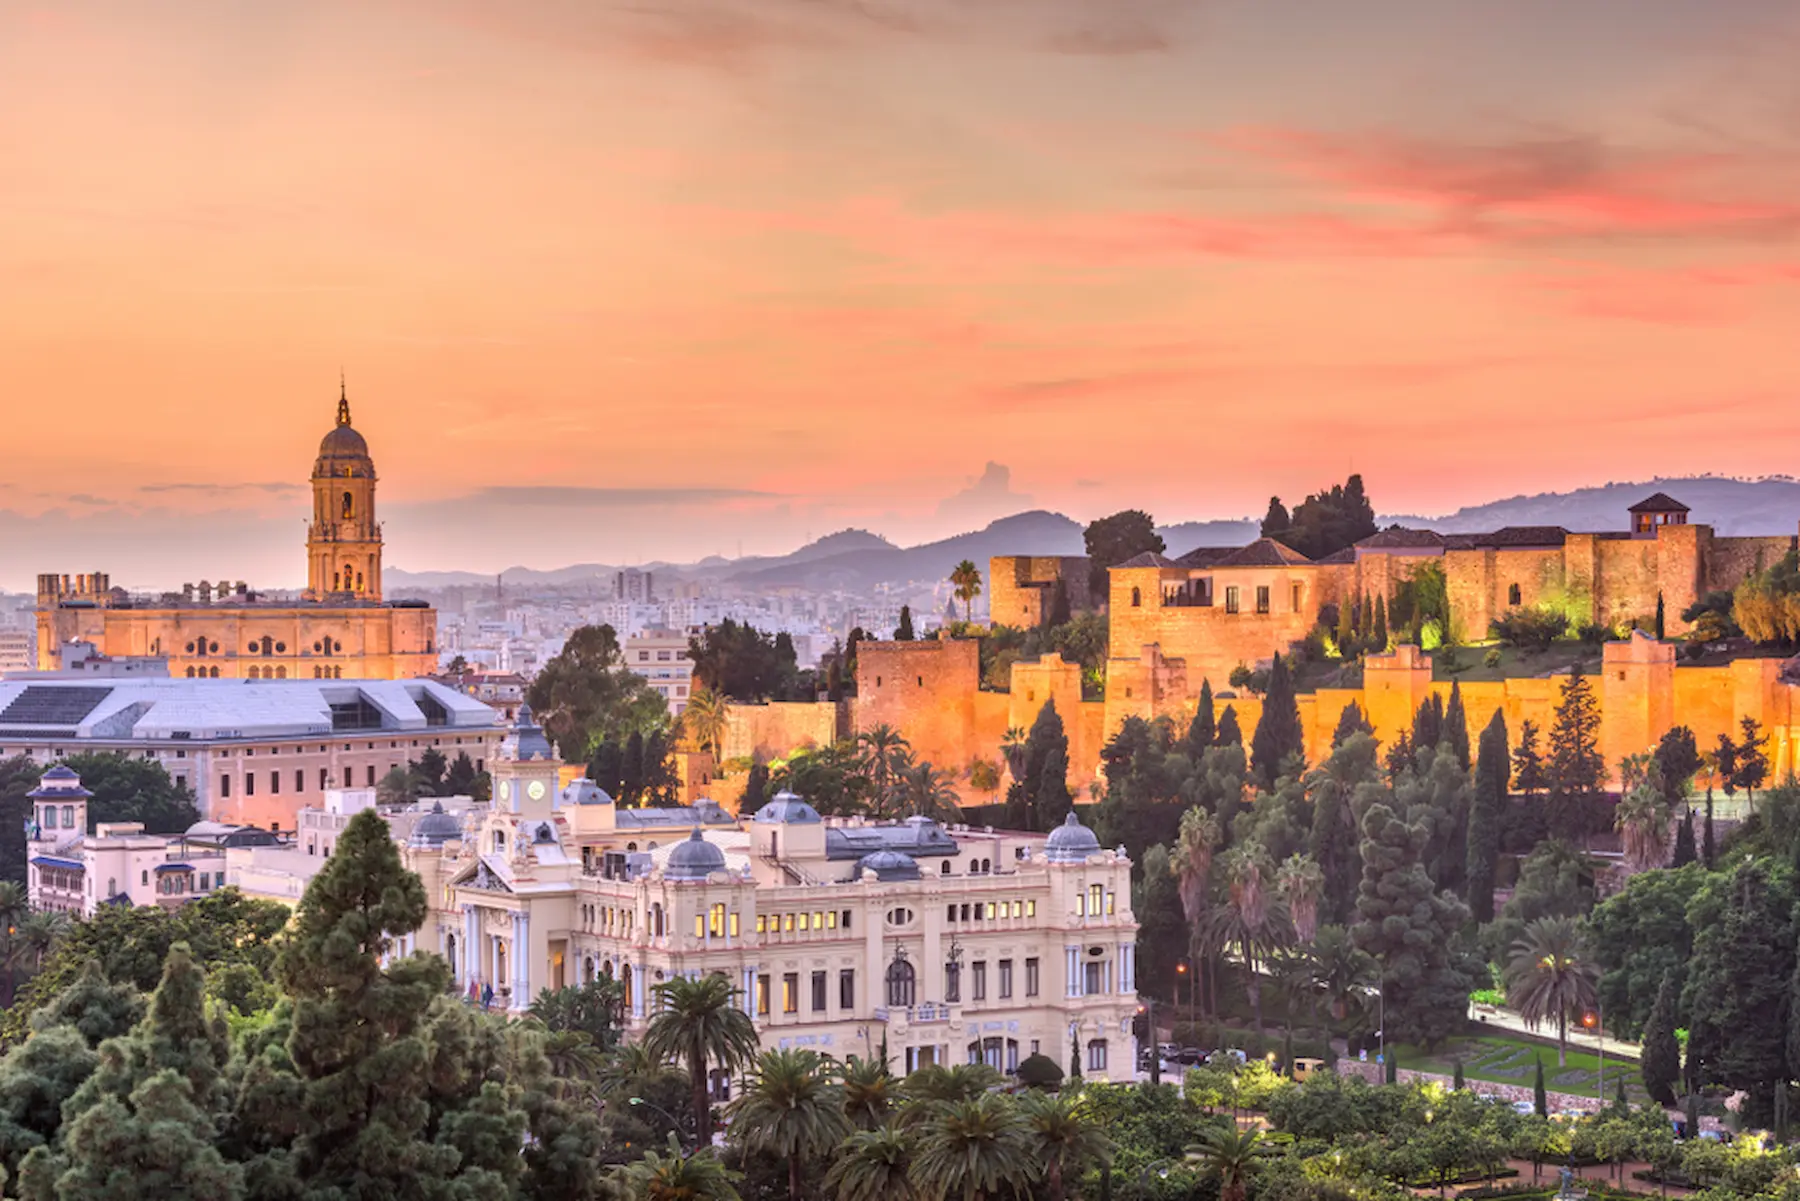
(1470,662)
(1497,1059)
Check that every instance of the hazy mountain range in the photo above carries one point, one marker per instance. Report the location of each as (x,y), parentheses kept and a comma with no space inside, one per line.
(857,560)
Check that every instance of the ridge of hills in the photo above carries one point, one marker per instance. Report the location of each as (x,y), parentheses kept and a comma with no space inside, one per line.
(858,560)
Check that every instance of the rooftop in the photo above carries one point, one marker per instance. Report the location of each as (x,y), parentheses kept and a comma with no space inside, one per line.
(1659,502)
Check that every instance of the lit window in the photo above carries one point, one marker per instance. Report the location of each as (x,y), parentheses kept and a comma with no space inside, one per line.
(1018,908)
(790,992)
(716,922)
(734,924)
(787,923)
(762,924)
(818,921)
(831,920)
(1109,904)
(803,923)
(699,925)
(990,911)
(1095,892)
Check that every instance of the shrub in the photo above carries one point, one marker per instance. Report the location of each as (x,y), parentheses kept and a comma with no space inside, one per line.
(1492,658)
(1530,629)
(1038,1070)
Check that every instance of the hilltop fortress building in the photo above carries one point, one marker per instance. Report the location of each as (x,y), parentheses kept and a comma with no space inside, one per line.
(340,628)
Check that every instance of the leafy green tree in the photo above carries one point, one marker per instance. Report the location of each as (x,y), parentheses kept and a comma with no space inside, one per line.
(1549,977)
(607,768)
(1278,735)
(18,776)
(1045,764)
(371,1117)
(1486,813)
(586,695)
(1752,756)
(791,1107)
(974,1149)
(1229,733)
(1555,880)
(740,662)
(1330,520)
(1576,767)
(133,790)
(1276,521)
(1677,759)
(1660,1060)
(1231,1156)
(1112,540)
(1410,928)
(1350,722)
(429,772)
(904,632)
(595,1009)
(1685,851)
(397,787)
(1738,979)
(697,1024)
(678,1177)
(1203,730)
(1639,935)
(459,779)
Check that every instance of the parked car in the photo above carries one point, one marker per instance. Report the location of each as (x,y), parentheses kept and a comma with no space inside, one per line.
(1524,1107)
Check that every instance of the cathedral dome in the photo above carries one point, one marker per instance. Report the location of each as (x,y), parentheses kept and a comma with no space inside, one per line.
(343,451)
(1070,842)
(695,859)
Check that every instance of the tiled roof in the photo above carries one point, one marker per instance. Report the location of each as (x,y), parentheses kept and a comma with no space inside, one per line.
(1206,556)
(1147,559)
(1526,535)
(1398,537)
(1264,552)
(1659,502)
(1336,557)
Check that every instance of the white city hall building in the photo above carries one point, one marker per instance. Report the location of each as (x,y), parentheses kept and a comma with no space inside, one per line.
(946,944)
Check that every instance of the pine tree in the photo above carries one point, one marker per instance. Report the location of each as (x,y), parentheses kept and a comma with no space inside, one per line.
(1278,735)
(756,788)
(387,1105)
(904,633)
(1456,1080)
(1660,1062)
(1684,839)
(1660,635)
(1202,730)
(1350,723)
(1455,730)
(1540,1099)
(1410,928)
(1276,521)
(1074,1055)
(1487,812)
(1229,734)
(1046,754)
(1054,801)
(1401,756)
(1528,762)
(1576,767)
(1346,631)
(1379,640)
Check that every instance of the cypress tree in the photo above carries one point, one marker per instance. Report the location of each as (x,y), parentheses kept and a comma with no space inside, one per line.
(1350,722)
(1684,840)
(1392,1068)
(1659,616)
(1346,631)
(1528,761)
(1060,613)
(1576,767)
(1455,730)
(1276,521)
(1278,734)
(1054,800)
(756,788)
(1074,1055)
(904,633)
(1540,1100)
(1046,762)
(1428,726)
(632,771)
(1707,846)
(1201,731)
(1660,1063)
(1456,1081)
(1380,637)
(1691,1115)
(1620,1101)
(1486,814)
(1287,1051)
(1229,734)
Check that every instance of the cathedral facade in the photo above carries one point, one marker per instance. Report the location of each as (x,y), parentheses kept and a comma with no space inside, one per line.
(340,628)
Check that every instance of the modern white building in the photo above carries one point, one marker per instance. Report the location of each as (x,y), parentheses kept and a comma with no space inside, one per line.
(661,657)
(253,752)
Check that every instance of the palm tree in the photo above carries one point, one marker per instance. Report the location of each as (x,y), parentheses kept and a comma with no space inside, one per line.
(1063,1139)
(967,578)
(872,1166)
(696,1024)
(929,792)
(936,1086)
(15,903)
(706,718)
(1548,977)
(792,1108)
(1343,973)
(882,752)
(678,1177)
(1012,749)
(630,1071)
(1192,865)
(33,937)
(1251,918)
(869,1090)
(1642,820)
(1301,882)
(974,1150)
(1230,1155)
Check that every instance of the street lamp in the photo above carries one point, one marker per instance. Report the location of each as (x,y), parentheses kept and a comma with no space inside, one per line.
(1148,1009)
(1181,971)
(1597,1023)
(667,1116)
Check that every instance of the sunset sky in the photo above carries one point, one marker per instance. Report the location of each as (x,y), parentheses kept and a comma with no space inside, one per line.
(658,279)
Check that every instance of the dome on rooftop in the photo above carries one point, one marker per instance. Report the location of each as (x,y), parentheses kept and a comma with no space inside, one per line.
(1071,842)
(342,451)
(435,828)
(888,865)
(787,809)
(586,792)
(695,859)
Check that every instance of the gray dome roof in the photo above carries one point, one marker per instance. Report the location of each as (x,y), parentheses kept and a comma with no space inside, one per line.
(343,447)
(435,828)
(787,809)
(585,792)
(695,859)
(1071,842)
(525,741)
(888,865)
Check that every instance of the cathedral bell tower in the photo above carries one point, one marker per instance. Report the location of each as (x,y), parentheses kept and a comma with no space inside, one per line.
(343,540)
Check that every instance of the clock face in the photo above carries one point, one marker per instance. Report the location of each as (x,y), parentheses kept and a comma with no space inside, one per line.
(535,790)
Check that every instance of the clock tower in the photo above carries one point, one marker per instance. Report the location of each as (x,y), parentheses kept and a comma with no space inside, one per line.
(525,769)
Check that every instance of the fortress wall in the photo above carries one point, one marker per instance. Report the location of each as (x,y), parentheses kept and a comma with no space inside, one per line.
(926,690)
(1627,579)
(1020,587)
(1681,555)
(1729,560)
(777,728)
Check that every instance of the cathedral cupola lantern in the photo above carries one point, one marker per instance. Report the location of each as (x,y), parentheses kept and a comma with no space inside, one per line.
(343,543)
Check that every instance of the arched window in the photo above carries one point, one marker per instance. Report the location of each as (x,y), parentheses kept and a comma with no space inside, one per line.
(281,673)
(214,673)
(268,645)
(944,868)
(254,672)
(901,984)
(112,886)
(1512,595)
(359,583)
(349,506)
(1137,598)
(190,673)
(337,673)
